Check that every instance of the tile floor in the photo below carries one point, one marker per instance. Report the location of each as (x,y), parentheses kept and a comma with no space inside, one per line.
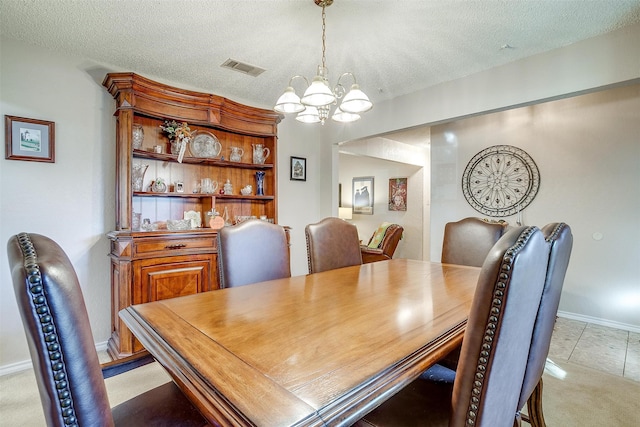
(598,347)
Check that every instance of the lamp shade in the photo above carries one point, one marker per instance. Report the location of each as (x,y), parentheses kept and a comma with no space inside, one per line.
(309,115)
(344,117)
(355,101)
(289,102)
(345,213)
(318,93)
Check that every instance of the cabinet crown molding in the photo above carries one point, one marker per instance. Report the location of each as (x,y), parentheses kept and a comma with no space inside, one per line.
(131,90)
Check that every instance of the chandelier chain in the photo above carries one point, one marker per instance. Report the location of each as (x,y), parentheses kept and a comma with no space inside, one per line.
(323,38)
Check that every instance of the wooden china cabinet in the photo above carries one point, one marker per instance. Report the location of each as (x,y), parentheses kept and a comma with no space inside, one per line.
(154,265)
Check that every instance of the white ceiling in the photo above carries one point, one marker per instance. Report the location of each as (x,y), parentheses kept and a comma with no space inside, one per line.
(394,47)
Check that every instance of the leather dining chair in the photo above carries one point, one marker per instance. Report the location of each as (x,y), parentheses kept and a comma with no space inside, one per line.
(495,347)
(465,242)
(387,246)
(65,361)
(252,251)
(332,243)
(560,240)
(468,241)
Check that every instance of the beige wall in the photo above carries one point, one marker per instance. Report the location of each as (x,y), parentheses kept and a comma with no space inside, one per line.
(71,200)
(587,149)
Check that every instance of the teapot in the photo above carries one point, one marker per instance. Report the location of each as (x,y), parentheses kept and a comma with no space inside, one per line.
(260,153)
(236,154)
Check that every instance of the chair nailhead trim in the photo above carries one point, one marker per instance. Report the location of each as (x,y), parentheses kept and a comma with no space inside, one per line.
(504,278)
(556,230)
(48,329)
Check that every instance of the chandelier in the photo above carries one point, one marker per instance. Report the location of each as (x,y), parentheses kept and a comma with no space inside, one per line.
(315,104)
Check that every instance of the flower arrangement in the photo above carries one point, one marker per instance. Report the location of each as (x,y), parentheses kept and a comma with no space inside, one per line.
(179,133)
(175,130)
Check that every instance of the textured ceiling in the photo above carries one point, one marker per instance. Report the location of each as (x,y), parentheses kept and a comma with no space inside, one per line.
(393,46)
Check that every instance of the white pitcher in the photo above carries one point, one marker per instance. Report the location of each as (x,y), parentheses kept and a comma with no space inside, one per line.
(137,176)
(236,154)
(260,153)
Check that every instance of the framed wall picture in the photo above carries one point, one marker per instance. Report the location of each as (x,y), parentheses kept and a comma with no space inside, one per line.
(298,169)
(398,194)
(29,139)
(363,196)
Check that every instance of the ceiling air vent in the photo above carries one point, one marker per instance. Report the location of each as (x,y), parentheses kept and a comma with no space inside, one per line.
(241,67)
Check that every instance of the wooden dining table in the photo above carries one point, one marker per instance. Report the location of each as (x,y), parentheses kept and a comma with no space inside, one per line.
(313,350)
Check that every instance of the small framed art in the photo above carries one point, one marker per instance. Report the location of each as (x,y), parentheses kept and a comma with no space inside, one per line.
(363,195)
(398,194)
(298,169)
(29,139)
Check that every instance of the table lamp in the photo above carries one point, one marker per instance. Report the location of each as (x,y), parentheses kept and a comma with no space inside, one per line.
(345,213)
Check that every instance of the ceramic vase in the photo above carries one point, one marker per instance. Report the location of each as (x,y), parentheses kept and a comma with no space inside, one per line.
(260,183)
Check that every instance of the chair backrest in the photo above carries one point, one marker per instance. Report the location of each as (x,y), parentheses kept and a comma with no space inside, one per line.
(332,243)
(57,327)
(560,239)
(468,241)
(252,251)
(496,342)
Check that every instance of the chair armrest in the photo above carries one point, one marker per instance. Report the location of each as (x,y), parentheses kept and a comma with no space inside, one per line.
(372,255)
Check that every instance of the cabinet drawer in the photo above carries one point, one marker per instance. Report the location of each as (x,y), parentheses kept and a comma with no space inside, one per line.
(168,247)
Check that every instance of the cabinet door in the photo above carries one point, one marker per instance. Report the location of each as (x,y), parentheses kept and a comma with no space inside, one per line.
(172,277)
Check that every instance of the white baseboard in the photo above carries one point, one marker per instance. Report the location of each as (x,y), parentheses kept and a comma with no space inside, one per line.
(601,322)
(16,367)
(26,364)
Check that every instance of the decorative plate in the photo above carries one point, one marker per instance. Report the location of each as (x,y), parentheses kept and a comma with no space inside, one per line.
(500,181)
(205,144)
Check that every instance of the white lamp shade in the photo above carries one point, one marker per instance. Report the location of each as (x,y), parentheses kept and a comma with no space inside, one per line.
(355,101)
(309,115)
(289,102)
(344,117)
(318,93)
(345,213)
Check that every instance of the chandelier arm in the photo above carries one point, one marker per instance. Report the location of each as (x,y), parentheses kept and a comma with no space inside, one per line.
(348,73)
(339,90)
(298,77)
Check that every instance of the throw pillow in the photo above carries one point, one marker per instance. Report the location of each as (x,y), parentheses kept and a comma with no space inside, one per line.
(379,235)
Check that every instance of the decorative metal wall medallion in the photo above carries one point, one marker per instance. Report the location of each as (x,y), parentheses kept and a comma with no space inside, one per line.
(500,181)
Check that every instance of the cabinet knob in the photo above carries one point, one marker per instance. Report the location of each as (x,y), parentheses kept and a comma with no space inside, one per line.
(178,246)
